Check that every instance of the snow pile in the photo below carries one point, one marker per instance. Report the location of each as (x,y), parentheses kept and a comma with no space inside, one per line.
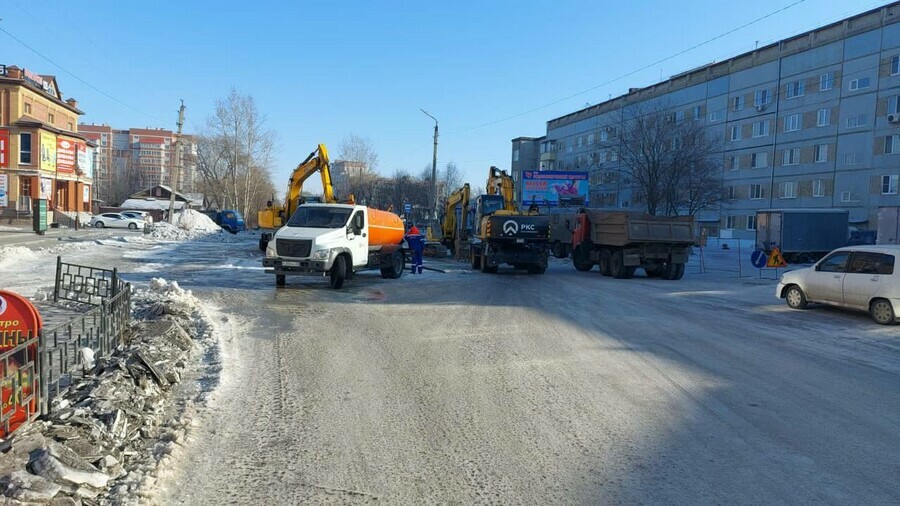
(11,255)
(188,225)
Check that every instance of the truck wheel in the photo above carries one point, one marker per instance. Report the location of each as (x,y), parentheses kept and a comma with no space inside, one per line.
(617,266)
(338,272)
(486,266)
(605,258)
(673,272)
(280,280)
(398,261)
(536,269)
(581,259)
(653,272)
(474,260)
(559,250)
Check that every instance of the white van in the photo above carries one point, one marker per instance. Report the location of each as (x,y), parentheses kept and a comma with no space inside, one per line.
(856,277)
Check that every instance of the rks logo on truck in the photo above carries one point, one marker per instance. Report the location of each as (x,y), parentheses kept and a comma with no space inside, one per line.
(511,227)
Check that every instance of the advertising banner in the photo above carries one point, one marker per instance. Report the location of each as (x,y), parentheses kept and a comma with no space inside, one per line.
(86,194)
(65,155)
(48,152)
(46,188)
(4,148)
(85,160)
(547,187)
(4,190)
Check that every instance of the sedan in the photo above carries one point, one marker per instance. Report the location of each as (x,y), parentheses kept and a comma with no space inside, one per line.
(116,220)
(857,277)
(143,215)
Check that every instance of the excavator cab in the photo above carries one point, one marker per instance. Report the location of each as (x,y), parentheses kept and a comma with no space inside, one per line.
(486,205)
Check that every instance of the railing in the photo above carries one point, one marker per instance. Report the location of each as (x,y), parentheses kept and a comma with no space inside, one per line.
(40,368)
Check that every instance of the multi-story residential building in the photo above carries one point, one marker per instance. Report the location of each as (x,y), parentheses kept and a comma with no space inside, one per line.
(342,171)
(525,157)
(42,154)
(810,121)
(137,158)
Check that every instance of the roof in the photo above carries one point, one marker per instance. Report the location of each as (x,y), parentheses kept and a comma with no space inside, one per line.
(804,210)
(150,204)
(28,122)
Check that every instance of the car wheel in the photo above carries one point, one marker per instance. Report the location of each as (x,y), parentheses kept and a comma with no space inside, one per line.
(99,224)
(132,226)
(882,312)
(795,297)
(280,280)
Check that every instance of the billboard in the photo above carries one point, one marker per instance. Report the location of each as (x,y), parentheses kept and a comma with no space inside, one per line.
(48,152)
(548,186)
(65,155)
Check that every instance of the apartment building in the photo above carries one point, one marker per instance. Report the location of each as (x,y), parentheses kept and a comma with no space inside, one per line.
(342,172)
(136,158)
(811,121)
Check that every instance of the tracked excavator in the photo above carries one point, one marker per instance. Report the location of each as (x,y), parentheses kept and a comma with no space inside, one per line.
(454,226)
(505,235)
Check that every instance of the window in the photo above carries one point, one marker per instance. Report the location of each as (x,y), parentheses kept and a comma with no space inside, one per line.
(516,155)
(698,112)
(894,104)
(579,141)
(761,128)
(737,103)
(795,89)
(751,222)
(790,156)
(889,185)
(604,136)
(792,123)
(715,116)
(735,162)
(756,191)
(859,83)
(759,160)
(50,118)
(70,126)
(826,82)
(821,153)
(730,221)
(836,262)
(857,121)
(678,116)
(761,98)
(824,117)
(818,188)
(851,159)
(871,263)
(613,155)
(731,192)
(787,190)
(895,65)
(892,144)
(736,132)
(846,197)
(27,108)
(590,139)
(24,148)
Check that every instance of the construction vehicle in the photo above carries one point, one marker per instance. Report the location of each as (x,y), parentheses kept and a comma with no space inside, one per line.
(229,219)
(273,217)
(621,242)
(454,224)
(505,235)
(336,241)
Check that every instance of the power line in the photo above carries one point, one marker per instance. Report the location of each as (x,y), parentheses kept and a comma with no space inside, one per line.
(631,73)
(98,90)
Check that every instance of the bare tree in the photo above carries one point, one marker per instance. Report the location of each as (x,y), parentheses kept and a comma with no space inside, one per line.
(669,161)
(234,155)
(357,148)
(451,178)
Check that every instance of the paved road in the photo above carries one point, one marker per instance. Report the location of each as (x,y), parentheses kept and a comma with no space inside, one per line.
(563,388)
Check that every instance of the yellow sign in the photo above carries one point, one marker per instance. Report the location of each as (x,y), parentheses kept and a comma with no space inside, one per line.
(775,259)
(48,152)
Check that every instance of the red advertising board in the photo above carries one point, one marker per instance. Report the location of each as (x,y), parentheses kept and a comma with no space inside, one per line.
(65,155)
(19,322)
(4,148)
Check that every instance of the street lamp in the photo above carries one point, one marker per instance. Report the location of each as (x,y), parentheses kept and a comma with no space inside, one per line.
(433,199)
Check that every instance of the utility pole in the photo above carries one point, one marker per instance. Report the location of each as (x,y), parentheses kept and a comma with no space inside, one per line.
(432,212)
(177,165)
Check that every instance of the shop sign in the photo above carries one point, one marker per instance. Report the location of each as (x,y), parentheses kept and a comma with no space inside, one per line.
(4,190)
(65,155)
(46,188)
(4,148)
(19,322)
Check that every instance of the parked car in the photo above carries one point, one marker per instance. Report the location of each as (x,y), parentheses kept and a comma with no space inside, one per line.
(116,220)
(856,277)
(144,215)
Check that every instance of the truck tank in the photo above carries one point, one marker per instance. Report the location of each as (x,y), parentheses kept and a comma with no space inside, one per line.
(384,228)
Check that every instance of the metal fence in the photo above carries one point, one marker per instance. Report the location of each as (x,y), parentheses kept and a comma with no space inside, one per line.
(41,368)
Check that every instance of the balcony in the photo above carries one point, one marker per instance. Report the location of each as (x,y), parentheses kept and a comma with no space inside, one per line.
(548,157)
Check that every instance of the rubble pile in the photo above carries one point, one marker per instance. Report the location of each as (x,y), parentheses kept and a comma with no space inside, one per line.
(108,434)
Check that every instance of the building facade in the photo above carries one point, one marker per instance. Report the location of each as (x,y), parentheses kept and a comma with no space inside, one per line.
(42,154)
(811,121)
(342,172)
(135,158)
(525,157)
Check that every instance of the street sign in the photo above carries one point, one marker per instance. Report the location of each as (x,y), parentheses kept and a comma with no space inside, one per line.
(758,258)
(775,259)
(407,207)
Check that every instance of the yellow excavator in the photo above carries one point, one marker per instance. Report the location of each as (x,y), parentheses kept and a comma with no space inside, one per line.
(274,216)
(456,213)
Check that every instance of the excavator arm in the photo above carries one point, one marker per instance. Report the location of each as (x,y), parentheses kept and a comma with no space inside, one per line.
(449,226)
(501,183)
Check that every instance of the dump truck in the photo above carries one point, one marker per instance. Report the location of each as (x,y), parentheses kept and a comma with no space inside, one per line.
(505,235)
(620,242)
(888,225)
(336,241)
(802,235)
(562,224)
(229,219)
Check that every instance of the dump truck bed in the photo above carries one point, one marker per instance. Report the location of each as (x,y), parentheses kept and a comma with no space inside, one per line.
(621,228)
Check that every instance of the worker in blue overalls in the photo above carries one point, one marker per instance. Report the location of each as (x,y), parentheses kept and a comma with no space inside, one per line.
(417,245)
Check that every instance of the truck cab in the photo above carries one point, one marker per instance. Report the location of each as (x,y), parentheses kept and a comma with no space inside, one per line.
(229,219)
(334,240)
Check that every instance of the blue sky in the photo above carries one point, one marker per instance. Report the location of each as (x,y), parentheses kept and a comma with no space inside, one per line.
(322,70)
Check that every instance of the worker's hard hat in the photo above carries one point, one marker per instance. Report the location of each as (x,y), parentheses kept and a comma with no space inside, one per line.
(413,230)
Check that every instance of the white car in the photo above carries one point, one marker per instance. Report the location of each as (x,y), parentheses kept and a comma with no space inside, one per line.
(856,277)
(116,220)
(144,215)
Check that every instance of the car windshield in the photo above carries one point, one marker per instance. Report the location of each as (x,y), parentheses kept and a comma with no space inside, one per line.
(320,217)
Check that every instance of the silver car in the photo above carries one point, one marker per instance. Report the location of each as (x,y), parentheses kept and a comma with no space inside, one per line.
(856,277)
(116,220)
